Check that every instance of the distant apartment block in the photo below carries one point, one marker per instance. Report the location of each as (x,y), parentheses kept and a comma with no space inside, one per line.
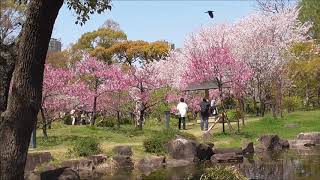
(54,45)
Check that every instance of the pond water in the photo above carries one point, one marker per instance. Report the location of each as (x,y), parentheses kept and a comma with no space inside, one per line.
(285,165)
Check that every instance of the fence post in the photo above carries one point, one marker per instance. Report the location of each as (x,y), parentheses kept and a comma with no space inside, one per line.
(33,141)
(167,117)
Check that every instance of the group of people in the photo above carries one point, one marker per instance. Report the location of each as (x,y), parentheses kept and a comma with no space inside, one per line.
(207,109)
(80,117)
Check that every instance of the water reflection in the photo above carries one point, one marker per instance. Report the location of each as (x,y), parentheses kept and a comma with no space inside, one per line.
(285,165)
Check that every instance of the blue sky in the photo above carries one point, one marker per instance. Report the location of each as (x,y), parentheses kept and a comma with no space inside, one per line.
(154,20)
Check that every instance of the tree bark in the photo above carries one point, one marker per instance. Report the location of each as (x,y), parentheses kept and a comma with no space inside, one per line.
(94,112)
(44,125)
(19,118)
(7,60)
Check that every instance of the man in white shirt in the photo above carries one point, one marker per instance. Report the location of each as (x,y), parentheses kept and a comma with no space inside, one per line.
(182,107)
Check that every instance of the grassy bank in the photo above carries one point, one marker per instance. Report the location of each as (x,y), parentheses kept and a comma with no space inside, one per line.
(305,121)
(62,136)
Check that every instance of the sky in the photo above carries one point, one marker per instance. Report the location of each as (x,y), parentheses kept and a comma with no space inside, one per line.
(154,20)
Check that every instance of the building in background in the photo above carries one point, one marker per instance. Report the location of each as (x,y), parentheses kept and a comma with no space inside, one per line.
(54,45)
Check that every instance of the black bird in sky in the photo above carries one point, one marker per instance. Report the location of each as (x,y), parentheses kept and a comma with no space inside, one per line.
(210,13)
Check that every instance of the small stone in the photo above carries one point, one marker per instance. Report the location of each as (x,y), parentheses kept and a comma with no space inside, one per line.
(291,126)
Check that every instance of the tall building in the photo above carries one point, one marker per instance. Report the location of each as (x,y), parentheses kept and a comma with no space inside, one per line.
(54,45)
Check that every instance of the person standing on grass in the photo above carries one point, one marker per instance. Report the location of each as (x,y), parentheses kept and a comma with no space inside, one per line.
(182,107)
(204,114)
(213,107)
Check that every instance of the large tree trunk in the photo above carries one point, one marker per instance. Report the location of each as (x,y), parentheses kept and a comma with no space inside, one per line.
(7,60)
(19,118)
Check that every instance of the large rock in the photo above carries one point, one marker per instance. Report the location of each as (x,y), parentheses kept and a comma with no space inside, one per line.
(35,159)
(204,152)
(182,148)
(248,148)
(123,162)
(228,150)
(150,163)
(226,158)
(122,150)
(177,163)
(273,142)
(98,159)
(55,174)
(301,144)
(312,136)
(79,164)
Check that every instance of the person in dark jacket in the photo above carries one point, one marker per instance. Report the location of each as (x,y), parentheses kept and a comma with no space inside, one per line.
(204,114)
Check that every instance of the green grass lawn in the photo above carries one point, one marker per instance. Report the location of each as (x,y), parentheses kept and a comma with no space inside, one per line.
(62,136)
(306,121)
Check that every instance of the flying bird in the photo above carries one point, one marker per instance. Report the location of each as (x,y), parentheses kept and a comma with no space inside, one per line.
(210,13)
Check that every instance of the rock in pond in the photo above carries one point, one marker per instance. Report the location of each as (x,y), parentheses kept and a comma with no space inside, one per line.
(36,159)
(123,150)
(79,164)
(177,163)
(204,152)
(55,174)
(273,142)
(226,158)
(312,136)
(150,163)
(123,162)
(228,150)
(98,159)
(182,148)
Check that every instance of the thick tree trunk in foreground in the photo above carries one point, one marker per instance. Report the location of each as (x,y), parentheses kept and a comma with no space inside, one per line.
(7,60)
(19,118)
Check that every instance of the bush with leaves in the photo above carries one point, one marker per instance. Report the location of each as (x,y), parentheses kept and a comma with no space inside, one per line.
(292,103)
(85,147)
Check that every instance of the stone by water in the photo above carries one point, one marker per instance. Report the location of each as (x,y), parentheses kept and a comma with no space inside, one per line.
(281,165)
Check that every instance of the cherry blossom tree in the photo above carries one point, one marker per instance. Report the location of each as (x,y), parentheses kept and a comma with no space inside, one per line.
(97,78)
(145,82)
(262,40)
(53,95)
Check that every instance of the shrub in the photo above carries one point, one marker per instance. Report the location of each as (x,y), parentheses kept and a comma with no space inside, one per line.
(222,172)
(234,115)
(85,147)
(157,142)
(67,120)
(105,122)
(292,103)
